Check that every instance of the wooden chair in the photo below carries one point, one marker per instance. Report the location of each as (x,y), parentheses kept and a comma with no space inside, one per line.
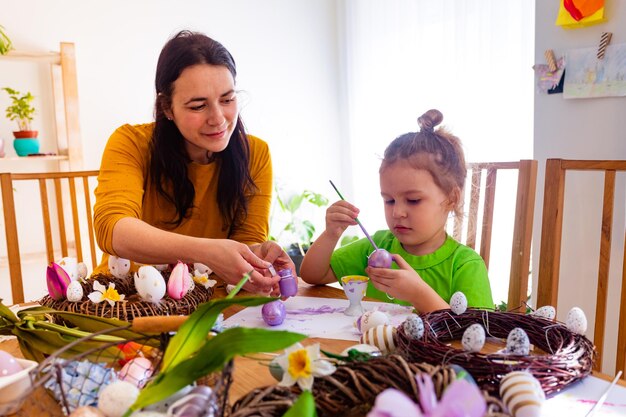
(551,237)
(72,199)
(482,194)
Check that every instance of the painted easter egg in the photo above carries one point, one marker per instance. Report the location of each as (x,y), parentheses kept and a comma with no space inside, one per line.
(517,342)
(576,321)
(381,337)
(458,303)
(119,267)
(273,313)
(547,312)
(413,327)
(473,338)
(522,394)
(150,284)
(81,269)
(137,371)
(74,292)
(371,319)
(117,397)
(380,258)
(70,265)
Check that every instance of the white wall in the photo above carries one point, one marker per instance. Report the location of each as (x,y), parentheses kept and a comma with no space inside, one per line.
(581,129)
(286,53)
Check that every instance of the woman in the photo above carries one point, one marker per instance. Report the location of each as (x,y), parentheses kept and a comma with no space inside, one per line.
(192,186)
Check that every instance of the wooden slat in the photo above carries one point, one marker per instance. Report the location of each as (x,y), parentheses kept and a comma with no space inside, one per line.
(589,165)
(487,226)
(473,209)
(45,213)
(13,247)
(75,220)
(58,192)
(620,363)
(90,229)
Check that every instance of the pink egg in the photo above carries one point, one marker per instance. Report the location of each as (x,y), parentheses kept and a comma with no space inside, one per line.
(137,371)
(8,364)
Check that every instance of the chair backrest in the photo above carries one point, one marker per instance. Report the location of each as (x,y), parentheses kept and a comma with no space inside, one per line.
(66,209)
(482,198)
(551,238)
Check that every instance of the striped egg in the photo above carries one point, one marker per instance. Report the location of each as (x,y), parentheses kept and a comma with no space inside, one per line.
(522,394)
(381,337)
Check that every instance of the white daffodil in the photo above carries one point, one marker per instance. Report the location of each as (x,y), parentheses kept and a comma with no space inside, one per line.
(301,364)
(102,293)
(201,278)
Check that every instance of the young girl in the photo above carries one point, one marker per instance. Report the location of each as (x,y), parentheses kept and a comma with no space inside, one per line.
(421,181)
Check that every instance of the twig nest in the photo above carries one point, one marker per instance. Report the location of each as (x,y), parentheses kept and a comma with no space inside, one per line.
(371,319)
(522,394)
(517,342)
(458,303)
(473,338)
(547,312)
(117,397)
(381,337)
(576,321)
(413,327)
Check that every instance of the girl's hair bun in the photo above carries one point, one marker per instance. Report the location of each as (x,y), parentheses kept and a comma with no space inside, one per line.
(429,120)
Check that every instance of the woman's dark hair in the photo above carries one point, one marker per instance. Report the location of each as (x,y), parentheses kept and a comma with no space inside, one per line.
(437,151)
(169,159)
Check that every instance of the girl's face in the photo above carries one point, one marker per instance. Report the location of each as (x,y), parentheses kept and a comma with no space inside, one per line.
(416,209)
(204,108)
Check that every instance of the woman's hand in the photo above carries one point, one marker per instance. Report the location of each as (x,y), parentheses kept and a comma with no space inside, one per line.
(272,252)
(339,216)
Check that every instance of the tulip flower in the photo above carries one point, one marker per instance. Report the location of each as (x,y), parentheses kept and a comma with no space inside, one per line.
(58,280)
(179,281)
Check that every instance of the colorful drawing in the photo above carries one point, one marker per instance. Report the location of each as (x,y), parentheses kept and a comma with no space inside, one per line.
(580,13)
(546,79)
(587,76)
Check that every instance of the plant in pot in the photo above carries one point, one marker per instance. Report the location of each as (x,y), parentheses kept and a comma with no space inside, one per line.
(5,43)
(296,232)
(21,110)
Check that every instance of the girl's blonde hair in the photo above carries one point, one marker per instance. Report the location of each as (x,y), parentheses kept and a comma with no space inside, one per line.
(437,151)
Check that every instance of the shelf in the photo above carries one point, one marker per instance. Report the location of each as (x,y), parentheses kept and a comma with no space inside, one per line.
(36,158)
(46,57)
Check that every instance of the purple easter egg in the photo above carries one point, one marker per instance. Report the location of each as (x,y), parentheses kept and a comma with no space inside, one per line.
(273,313)
(380,258)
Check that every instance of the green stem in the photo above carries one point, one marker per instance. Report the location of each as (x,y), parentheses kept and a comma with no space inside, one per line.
(240,284)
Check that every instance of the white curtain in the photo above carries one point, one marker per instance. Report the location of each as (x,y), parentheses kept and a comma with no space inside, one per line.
(471,59)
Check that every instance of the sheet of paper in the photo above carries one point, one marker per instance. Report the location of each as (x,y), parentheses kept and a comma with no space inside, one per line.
(318,317)
(577,400)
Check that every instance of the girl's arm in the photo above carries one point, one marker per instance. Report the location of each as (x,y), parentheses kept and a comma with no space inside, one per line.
(315,268)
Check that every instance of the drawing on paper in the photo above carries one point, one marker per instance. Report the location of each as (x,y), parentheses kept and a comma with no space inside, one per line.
(587,76)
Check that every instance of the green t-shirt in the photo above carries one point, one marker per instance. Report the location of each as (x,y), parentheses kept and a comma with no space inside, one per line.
(451,268)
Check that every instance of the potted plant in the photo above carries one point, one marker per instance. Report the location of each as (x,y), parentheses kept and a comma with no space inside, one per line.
(5,43)
(21,110)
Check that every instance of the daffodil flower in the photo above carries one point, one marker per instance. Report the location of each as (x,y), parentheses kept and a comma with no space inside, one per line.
(101,293)
(301,364)
(203,279)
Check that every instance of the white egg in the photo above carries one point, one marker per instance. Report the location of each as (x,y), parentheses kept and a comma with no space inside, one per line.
(547,312)
(371,319)
(74,292)
(70,265)
(517,343)
(119,267)
(116,398)
(150,284)
(137,371)
(458,303)
(413,327)
(473,338)
(381,337)
(576,321)
(521,391)
(82,270)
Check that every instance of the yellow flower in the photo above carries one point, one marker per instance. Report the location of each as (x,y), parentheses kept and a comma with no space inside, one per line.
(101,293)
(301,364)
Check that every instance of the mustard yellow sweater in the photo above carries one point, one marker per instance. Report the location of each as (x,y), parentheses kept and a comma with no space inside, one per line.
(125,190)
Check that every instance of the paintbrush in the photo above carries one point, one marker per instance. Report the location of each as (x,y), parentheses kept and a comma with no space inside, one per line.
(356,219)
(602,399)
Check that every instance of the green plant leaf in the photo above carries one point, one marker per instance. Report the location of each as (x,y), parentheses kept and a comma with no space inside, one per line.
(308,230)
(315,198)
(211,357)
(294,203)
(90,323)
(303,407)
(194,331)
(6,313)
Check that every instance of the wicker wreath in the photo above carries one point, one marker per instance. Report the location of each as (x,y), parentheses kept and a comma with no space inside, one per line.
(568,356)
(132,306)
(352,389)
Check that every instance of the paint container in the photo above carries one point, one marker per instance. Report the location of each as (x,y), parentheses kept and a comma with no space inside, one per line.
(288,283)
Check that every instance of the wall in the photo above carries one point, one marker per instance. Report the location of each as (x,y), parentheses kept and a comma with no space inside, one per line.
(286,53)
(581,129)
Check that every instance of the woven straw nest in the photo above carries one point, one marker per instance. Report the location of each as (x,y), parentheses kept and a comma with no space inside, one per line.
(567,357)
(352,389)
(132,306)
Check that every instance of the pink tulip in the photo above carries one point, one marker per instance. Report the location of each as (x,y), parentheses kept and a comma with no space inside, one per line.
(179,282)
(57,280)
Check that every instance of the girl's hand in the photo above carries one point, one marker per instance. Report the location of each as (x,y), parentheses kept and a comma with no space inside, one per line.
(397,283)
(339,216)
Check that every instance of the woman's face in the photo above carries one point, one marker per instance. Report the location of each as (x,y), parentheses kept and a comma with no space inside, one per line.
(204,108)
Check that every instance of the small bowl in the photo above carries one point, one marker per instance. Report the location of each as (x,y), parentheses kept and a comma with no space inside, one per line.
(14,387)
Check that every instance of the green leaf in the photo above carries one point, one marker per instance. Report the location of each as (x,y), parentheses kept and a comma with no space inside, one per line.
(315,198)
(294,203)
(211,357)
(6,313)
(309,230)
(192,334)
(303,407)
(90,323)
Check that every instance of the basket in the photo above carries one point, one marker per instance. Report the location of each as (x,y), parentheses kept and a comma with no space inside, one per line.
(59,386)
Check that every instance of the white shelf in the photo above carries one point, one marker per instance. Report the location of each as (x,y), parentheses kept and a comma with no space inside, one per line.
(35,158)
(47,57)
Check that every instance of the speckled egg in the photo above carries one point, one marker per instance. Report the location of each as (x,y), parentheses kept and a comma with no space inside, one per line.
(522,394)
(117,397)
(371,319)
(413,327)
(74,292)
(119,267)
(381,337)
(576,321)
(150,284)
(517,343)
(458,303)
(547,312)
(473,338)
(87,411)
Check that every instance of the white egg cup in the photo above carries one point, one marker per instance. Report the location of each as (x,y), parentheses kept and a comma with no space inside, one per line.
(13,388)
(354,286)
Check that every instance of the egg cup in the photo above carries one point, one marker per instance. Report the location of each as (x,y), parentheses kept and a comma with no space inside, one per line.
(354,286)
(13,388)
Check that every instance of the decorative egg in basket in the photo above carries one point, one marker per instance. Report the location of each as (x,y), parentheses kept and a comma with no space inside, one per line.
(458,303)
(522,394)
(547,312)
(119,267)
(117,397)
(517,343)
(473,338)
(413,326)
(576,321)
(381,337)
(150,284)
(371,319)
(137,371)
